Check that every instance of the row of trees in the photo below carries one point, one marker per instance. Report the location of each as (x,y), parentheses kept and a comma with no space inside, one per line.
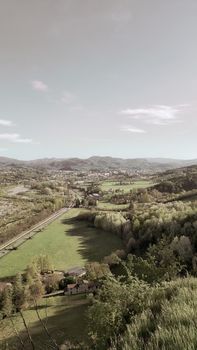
(26,289)
(178,183)
(25,292)
(146,225)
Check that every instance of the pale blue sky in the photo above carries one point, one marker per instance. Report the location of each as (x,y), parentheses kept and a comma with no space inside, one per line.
(98,77)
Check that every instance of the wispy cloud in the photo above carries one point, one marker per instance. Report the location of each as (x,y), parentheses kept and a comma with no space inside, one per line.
(156,115)
(38,85)
(4,122)
(68,98)
(133,129)
(15,138)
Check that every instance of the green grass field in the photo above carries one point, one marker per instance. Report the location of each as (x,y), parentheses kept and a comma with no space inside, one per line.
(115,185)
(64,316)
(68,242)
(110,206)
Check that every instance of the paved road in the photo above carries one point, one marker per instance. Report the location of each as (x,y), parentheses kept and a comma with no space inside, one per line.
(18,240)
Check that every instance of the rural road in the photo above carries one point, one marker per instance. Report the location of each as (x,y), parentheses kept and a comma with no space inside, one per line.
(18,240)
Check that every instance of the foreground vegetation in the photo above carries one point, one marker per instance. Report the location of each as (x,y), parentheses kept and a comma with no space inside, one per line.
(65,318)
(172,326)
(135,315)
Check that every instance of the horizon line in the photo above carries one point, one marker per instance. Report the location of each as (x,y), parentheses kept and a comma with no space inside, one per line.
(98,156)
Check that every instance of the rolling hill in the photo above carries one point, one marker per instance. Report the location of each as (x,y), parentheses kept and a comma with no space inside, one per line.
(101,163)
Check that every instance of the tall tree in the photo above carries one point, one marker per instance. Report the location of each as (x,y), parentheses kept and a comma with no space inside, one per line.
(7,303)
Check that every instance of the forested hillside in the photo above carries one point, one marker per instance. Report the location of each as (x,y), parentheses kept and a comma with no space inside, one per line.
(149,303)
(149,165)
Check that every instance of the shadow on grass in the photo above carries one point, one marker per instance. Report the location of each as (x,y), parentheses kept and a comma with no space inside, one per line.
(68,320)
(95,243)
(40,307)
(68,323)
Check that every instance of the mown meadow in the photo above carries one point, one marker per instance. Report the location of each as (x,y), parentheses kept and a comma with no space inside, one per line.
(127,187)
(68,242)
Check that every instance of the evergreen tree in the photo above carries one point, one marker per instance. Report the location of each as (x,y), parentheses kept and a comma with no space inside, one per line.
(19,297)
(43,264)
(33,286)
(7,303)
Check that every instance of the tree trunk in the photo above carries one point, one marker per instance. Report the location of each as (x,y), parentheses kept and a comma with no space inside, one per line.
(28,333)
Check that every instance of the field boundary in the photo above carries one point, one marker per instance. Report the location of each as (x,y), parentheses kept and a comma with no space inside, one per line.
(27,234)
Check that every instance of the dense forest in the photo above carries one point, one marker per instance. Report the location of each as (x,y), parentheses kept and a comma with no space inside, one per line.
(149,301)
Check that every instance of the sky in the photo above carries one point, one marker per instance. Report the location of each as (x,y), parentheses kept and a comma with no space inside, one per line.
(98,77)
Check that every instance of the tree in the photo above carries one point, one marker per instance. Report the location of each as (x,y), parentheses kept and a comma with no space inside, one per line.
(43,264)
(111,259)
(115,305)
(52,283)
(183,247)
(144,197)
(34,291)
(33,287)
(19,296)
(7,303)
(77,203)
(95,270)
(20,300)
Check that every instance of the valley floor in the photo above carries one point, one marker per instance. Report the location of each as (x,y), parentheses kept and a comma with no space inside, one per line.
(68,242)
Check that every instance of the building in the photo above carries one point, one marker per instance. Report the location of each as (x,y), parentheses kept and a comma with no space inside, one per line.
(4,285)
(76,272)
(80,288)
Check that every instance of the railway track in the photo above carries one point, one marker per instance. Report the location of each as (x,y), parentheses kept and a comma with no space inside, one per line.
(21,238)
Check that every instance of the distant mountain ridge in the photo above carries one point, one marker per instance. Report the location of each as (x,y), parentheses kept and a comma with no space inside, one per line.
(101,163)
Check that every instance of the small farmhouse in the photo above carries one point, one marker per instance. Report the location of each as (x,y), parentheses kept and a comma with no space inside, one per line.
(76,271)
(79,288)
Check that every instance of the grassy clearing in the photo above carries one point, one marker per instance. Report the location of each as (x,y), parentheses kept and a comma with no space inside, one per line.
(115,185)
(68,242)
(111,206)
(65,319)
